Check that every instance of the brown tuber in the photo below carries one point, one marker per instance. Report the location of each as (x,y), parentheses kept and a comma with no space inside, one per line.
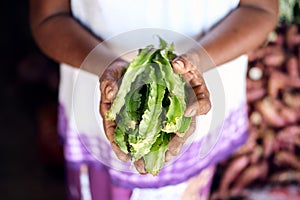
(272,151)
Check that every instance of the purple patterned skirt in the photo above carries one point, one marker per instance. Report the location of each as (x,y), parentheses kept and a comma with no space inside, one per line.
(88,177)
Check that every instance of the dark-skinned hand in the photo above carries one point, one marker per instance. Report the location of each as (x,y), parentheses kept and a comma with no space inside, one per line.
(199,104)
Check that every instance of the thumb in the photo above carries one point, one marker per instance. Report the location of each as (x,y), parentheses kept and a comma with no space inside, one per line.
(109,89)
(109,80)
(180,66)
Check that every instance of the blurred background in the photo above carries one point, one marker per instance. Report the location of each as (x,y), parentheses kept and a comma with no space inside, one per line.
(266,167)
(31,162)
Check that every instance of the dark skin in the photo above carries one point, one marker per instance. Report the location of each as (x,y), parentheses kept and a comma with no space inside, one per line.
(243,30)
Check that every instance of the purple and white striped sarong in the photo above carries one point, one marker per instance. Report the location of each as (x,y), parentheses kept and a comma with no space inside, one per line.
(81,150)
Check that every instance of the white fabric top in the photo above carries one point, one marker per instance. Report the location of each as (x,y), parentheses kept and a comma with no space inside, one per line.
(108,18)
(79,90)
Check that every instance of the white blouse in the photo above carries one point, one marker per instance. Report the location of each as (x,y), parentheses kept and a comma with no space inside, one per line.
(127,24)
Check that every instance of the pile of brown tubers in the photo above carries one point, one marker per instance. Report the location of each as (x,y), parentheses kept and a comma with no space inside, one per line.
(271,155)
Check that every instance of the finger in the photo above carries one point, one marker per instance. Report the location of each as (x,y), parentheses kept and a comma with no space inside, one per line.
(168,156)
(199,107)
(199,102)
(179,65)
(140,166)
(109,127)
(109,89)
(191,129)
(104,108)
(197,79)
(201,91)
(119,153)
(175,145)
(110,130)
(109,81)
(174,149)
(193,78)
(177,142)
(114,71)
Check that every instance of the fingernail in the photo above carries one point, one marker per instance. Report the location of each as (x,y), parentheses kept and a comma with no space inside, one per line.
(179,64)
(109,92)
(108,89)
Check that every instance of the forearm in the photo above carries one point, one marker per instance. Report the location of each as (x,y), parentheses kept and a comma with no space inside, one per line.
(65,40)
(241,31)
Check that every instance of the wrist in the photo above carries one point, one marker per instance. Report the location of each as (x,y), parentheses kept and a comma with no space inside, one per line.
(99,59)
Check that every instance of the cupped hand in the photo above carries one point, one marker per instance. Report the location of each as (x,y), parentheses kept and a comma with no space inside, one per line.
(199,99)
(109,85)
(177,142)
(199,104)
(109,88)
